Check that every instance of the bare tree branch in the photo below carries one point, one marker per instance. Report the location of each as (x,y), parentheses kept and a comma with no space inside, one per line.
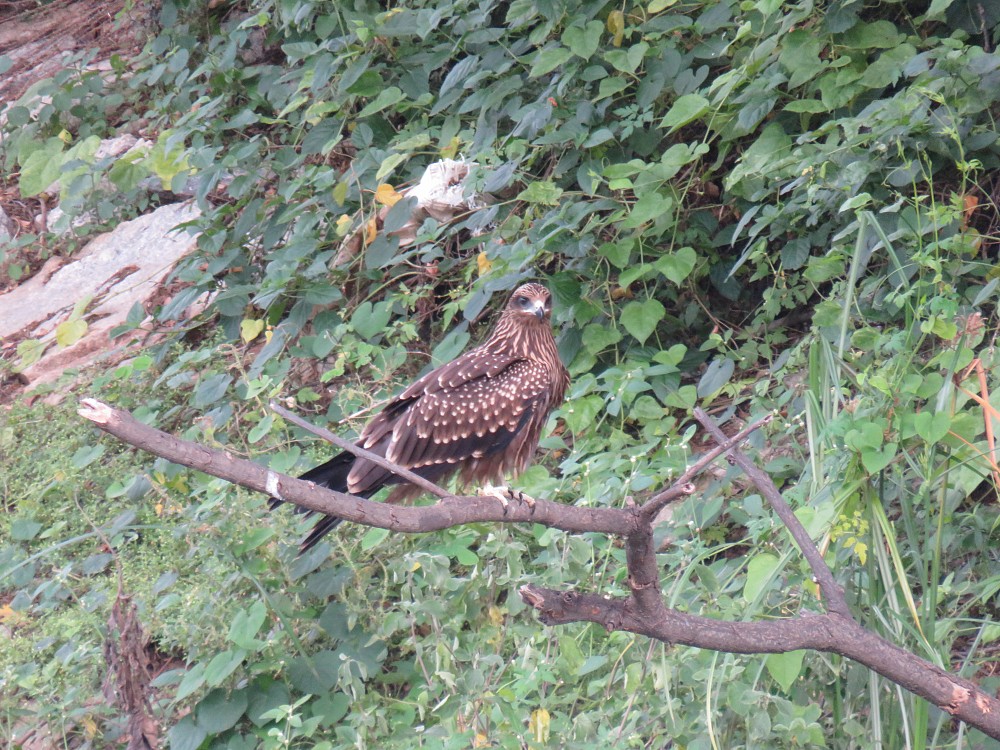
(834,594)
(656,503)
(643,611)
(453,511)
(830,633)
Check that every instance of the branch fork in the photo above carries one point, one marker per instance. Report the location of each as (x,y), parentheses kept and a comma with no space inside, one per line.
(643,611)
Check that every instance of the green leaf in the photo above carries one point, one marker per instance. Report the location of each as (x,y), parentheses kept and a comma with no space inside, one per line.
(677,266)
(265,696)
(218,711)
(369,320)
(30,351)
(633,274)
(876,459)
(246,624)
(542,191)
(628,61)
(373,538)
(254,538)
(383,248)
(222,665)
(580,413)
(41,168)
(388,164)
(86,455)
(611,86)
(168,157)
(186,735)
(646,408)
(810,106)
(936,11)
(684,397)
(595,661)
(261,429)
(548,60)
(932,427)
(70,331)
(193,679)
(785,668)
(24,529)
(800,56)
(450,346)
(686,109)
(827,313)
(876,35)
(583,41)
(386,98)
(759,571)
(618,253)
(210,390)
(716,375)
(250,329)
(641,318)
(647,209)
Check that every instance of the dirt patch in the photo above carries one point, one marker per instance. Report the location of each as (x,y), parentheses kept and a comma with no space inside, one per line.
(40,40)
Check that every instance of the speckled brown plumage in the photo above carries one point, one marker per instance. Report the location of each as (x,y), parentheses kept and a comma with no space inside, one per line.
(479,416)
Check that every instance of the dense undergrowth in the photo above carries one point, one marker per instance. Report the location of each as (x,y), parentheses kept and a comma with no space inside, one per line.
(753,207)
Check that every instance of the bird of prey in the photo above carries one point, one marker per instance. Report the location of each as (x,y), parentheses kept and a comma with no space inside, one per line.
(480,415)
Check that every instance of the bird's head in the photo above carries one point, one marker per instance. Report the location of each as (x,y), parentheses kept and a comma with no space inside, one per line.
(531,300)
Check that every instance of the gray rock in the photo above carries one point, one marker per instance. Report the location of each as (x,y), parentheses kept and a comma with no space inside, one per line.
(114,271)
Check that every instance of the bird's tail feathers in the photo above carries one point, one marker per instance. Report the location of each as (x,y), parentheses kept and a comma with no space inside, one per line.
(333,475)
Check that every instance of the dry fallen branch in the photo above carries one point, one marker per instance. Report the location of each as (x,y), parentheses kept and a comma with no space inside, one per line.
(643,611)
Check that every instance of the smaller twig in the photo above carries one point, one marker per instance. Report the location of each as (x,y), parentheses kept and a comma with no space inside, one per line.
(835,600)
(409,476)
(682,486)
(989,412)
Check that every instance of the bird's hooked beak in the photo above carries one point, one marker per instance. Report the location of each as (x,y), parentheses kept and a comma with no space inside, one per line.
(539,309)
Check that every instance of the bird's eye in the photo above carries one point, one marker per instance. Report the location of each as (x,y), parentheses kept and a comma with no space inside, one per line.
(522,301)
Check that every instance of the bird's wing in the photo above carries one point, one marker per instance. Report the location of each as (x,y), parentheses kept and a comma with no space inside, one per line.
(477,418)
(473,365)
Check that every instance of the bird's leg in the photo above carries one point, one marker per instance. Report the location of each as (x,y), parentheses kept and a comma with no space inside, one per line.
(521,497)
(504,494)
(500,493)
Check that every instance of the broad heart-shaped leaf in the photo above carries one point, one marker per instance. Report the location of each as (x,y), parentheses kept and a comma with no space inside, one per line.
(369,319)
(876,459)
(866,435)
(640,318)
(759,571)
(250,329)
(583,41)
(785,668)
(245,626)
(41,168)
(679,265)
(932,427)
